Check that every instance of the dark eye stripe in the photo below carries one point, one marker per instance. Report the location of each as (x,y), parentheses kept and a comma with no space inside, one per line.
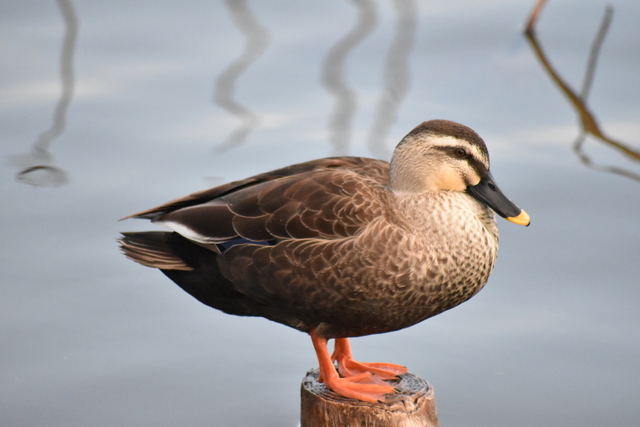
(473,162)
(477,165)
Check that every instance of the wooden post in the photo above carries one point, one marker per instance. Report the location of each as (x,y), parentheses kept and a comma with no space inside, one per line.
(413,406)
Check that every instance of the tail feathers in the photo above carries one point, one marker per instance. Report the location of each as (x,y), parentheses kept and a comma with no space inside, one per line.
(153,249)
(195,269)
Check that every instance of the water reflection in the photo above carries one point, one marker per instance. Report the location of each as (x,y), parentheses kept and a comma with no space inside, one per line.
(396,77)
(589,125)
(332,76)
(88,336)
(257,40)
(37,166)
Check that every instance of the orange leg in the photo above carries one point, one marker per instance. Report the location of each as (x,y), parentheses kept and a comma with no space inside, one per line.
(349,367)
(348,387)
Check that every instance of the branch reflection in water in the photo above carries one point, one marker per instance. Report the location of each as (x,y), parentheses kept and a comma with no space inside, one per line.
(332,76)
(257,40)
(396,77)
(589,125)
(37,166)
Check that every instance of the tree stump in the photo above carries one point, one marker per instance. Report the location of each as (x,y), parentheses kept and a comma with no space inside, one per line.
(414,405)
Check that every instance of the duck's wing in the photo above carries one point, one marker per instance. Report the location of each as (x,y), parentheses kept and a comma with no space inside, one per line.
(327,198)
(269,245)
(375,170)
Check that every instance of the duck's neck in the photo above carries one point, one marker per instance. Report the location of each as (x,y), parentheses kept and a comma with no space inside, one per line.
(406,175)
(450,210)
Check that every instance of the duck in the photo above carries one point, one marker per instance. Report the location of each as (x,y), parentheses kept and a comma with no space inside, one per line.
(340,247)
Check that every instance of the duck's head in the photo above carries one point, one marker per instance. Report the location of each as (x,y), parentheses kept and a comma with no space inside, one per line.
(440,155)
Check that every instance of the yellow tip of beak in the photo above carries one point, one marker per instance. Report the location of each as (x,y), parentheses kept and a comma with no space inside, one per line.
(521,219)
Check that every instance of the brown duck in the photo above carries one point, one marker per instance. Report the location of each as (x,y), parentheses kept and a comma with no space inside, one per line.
(341,247)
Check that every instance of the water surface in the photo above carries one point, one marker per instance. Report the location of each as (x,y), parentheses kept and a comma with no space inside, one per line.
(109,108)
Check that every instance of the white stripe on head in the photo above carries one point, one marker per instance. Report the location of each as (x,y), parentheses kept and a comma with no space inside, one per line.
(452,141)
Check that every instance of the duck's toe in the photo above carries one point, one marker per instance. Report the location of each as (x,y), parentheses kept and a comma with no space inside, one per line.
(348,367)
(351,387)
(385,371)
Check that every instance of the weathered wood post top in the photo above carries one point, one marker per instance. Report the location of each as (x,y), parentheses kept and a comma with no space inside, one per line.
(413,405)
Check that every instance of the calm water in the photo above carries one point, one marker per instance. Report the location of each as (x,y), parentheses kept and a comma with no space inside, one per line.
(157,100)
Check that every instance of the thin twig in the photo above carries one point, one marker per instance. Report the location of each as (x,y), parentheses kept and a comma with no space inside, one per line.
(595,52)
(534,16)
(588,122)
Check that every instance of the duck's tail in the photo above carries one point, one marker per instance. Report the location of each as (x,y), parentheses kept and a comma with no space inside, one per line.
(153,249)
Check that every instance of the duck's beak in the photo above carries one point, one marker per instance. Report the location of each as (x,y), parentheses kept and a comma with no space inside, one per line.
(487,192)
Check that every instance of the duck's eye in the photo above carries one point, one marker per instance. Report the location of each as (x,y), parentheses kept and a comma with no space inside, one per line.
(460,152)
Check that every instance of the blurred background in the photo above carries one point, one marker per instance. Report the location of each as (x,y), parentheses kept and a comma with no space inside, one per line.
(109,108)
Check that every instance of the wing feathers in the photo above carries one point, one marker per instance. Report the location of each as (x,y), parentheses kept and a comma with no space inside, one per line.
(252,228)
(327,199)
(208,223)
